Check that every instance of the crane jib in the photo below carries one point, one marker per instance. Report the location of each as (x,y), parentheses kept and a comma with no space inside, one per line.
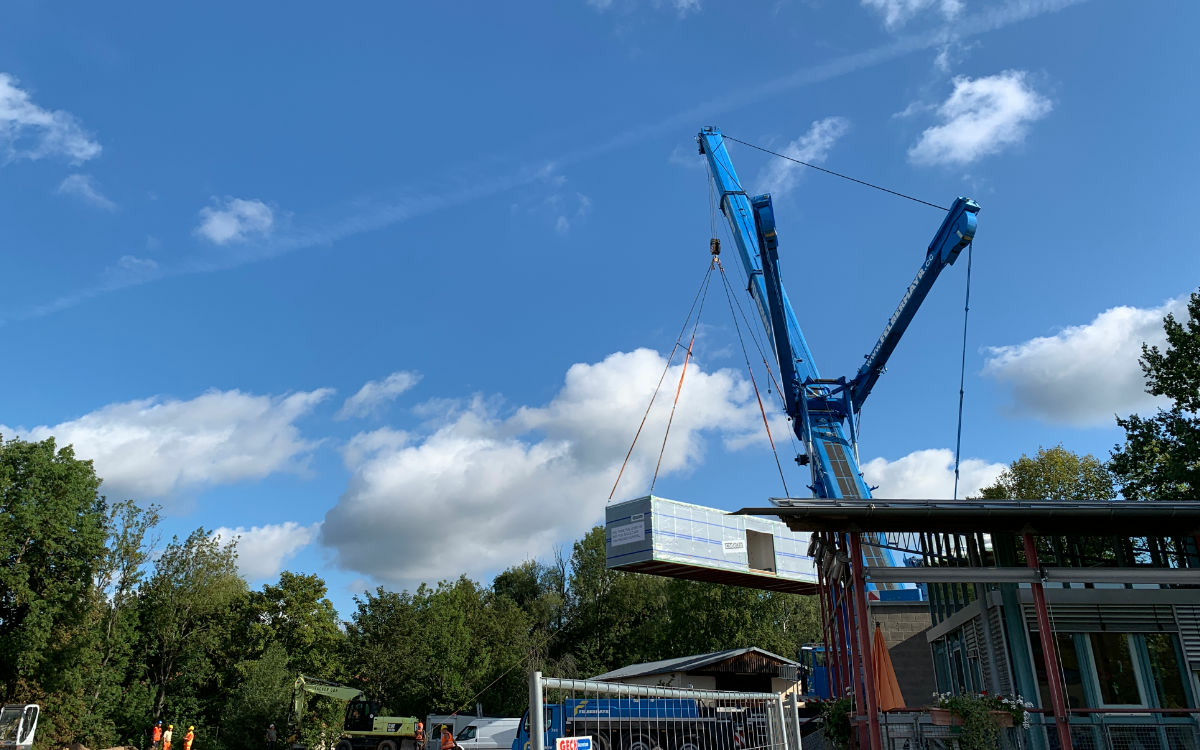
(822,410)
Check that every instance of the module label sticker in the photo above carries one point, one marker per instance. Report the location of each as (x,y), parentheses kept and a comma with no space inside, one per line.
(629,533)
(734,547)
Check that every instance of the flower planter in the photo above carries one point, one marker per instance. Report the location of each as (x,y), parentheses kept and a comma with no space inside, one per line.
(944,717)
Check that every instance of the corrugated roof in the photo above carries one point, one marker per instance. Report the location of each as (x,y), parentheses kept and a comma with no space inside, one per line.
(686,663)
(1108,518)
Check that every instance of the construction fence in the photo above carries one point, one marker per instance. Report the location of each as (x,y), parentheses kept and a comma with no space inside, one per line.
(594,715)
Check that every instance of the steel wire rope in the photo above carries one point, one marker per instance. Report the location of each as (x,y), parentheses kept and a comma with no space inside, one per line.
(962,373)
(682,374)
(753,382)
(837,174)
(670,359)
(761,353)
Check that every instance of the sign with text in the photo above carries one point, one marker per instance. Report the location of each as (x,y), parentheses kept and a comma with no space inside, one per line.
(573,743)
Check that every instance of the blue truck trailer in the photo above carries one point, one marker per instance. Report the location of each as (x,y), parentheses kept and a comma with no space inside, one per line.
(650,724)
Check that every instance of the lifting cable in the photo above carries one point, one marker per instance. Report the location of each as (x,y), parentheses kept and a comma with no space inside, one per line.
(759,347)
(836,174)
(730,297)
(702,291)
(962,374)
(679,388)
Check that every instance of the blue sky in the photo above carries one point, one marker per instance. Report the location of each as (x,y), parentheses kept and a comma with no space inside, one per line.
(385,290)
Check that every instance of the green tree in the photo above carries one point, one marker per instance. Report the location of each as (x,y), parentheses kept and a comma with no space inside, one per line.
(296,614)
(614,617)
(114,623)
(1053,474)
(1160,459)
(52,536)
(260,698)
(190,609)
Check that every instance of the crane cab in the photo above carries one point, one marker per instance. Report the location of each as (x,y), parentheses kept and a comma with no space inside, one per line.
(18,722)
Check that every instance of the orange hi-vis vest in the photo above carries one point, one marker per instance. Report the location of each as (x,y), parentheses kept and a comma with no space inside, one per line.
(187,740)
(420,733)
(156,735)
(447,740)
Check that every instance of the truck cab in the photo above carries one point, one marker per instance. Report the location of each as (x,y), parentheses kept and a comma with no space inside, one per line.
(18,723)
(814,671)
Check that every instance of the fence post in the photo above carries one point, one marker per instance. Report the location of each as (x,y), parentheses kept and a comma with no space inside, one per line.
(783,728)
(796,720)
(537,733)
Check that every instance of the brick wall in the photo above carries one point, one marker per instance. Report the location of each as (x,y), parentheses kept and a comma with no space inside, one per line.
(904,625)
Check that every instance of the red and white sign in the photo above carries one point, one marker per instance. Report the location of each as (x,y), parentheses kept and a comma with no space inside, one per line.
(573,743)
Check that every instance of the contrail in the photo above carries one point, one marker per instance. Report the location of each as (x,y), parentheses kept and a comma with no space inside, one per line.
(426,202)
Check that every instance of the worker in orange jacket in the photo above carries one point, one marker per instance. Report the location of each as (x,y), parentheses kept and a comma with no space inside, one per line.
(187,738)
(167,737)
(156,735)
(419,734)
(447,738)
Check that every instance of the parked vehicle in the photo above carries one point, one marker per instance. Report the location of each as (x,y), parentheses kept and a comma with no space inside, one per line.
(488,734)
(18,723)
(366,726)
(649,724)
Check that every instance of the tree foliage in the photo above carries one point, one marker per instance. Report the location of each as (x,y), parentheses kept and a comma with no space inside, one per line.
(109,629)
(1160,459)
(1053,474)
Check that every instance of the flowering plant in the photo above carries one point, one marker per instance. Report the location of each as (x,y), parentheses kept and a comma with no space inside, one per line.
(1017,706)
(980,729)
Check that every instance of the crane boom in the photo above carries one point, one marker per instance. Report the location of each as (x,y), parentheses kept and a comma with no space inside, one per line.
(956,232)
(822,410)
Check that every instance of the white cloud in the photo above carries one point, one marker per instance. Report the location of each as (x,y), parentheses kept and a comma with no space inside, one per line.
(234,220)
(263,550)
(376,393)
(481,490)
(83,186)
(1084,374)
(29,132)
(897,12)
(780,176)
(928,475)
(981,117)
(151,448)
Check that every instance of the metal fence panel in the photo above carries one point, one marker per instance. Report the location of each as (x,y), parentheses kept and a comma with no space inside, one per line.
(618,716)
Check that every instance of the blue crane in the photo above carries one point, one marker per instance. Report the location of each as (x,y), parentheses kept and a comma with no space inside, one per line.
(822,410)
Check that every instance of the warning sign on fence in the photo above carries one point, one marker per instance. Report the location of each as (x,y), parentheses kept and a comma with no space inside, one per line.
(573,743)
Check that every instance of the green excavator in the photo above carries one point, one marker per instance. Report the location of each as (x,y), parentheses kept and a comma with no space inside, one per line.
(366,726)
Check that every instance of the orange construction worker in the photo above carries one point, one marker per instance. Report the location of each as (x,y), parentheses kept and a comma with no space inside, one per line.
(156,735)
(447,738)
(167,737)
(187,738)
(420,732)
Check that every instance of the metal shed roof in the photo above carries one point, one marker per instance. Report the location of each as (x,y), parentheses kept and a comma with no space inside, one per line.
(1111,518)
(687,663)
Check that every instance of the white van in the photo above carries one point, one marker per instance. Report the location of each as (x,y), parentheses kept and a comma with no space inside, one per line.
(488,734)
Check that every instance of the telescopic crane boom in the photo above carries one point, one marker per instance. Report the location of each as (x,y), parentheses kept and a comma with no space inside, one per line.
(822,410)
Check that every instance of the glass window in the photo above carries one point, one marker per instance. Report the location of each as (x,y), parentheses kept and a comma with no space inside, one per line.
(1114,669)
(1166,668)
(468,733)
(1072,677)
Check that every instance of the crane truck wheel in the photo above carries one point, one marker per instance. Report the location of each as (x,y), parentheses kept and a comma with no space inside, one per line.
(641,741)
(386,745)
(687,742)
(344,745)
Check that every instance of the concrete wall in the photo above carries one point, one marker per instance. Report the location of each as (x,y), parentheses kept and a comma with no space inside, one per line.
(904,625)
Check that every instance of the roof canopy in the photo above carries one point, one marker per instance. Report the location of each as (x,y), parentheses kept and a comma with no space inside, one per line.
(699,663)
(1111,518)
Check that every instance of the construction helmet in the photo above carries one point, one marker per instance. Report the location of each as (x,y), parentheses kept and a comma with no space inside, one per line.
(190,728)
(170,726)
(160,722)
